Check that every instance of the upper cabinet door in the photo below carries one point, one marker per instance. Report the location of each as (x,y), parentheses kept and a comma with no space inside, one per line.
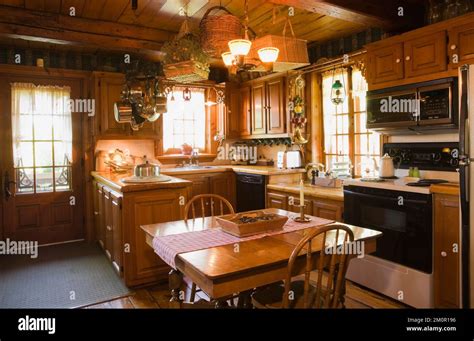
(461,45)
(386,64)
(276,107)
(108,90)
(258,109)
(426,55)
(245,112)
(232,110)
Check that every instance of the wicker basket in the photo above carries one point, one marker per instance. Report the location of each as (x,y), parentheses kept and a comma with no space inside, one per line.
(293,52)
(218,30)
(186,72)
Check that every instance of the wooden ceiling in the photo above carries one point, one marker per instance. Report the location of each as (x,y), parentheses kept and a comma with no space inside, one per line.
(112,24)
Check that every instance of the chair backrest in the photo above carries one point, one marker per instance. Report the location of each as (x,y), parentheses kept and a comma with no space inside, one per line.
(207,205)
(330,246)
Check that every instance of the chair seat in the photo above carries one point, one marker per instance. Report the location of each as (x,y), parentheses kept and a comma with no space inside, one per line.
(271,296)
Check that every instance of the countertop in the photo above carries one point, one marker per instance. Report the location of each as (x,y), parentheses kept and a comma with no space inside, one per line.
(329,193)
(260,170)
(450,189)
(113,181)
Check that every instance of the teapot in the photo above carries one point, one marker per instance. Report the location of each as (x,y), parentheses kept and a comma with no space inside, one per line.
(385,167)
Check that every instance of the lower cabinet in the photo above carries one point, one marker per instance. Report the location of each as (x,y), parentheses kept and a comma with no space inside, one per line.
(446,251)
(222,184)
(323,208)
(118,217)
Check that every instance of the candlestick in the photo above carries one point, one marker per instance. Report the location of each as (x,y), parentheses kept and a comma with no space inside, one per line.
(302,218)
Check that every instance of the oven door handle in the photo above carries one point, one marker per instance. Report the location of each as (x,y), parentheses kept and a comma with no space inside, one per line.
(378,197)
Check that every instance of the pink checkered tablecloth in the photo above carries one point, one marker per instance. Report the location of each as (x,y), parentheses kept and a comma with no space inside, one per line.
(168,247)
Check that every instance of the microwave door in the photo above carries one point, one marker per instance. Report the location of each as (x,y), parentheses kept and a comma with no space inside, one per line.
(392,109)
(436,104)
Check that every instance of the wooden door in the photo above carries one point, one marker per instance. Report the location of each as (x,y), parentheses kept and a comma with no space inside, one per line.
(461,45)
(108,87)
(425,55)
(232,111)
(277,200)
(258,109)
(328,209)
(108,219)
(117,238)
(446,260)
(275,101)
(99,222)
(385,64)
(245,112)
(46,201)
(223,185)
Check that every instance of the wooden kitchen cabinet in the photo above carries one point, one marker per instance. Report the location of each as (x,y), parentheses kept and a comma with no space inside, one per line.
(425,55)
(446,251)
(108,88)
(328,209)
(108,219)
(318,207)
(386,64)
(222,184)
(258,103)
(277,200)
(232,112)
(117,237)
(276,111)
(245,112)
(461,44)
(99,223)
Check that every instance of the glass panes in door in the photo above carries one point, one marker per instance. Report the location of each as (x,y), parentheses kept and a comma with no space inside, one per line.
(42,138)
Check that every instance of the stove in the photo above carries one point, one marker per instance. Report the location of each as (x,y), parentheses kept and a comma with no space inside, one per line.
(402,209)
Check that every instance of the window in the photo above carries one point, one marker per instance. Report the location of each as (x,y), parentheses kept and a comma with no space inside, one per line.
(42,138)
(345,134)
(185,121)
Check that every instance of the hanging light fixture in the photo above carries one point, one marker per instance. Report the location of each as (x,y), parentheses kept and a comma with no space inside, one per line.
(228,58)
(187,95)
(268,54)
(338,93)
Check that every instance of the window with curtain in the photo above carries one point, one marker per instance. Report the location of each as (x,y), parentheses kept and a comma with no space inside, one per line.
(345,134)
(185,121)
(42,138)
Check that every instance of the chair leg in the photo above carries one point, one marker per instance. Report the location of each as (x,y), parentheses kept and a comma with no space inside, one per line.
(193,293)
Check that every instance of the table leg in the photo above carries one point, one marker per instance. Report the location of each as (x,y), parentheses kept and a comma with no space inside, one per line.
(175,279)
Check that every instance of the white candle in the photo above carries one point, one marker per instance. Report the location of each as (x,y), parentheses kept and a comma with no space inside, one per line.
(301,192)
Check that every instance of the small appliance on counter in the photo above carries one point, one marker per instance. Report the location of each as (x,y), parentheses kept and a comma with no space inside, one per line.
(290,159)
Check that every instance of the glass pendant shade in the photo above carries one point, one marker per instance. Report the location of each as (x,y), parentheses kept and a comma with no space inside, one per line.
(337,93)
(240,47)
(228,58)
(268,54)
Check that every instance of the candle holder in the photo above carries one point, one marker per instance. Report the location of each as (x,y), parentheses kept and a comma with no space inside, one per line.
(302,218)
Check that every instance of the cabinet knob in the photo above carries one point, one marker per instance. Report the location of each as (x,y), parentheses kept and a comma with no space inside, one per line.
(407,58)
(443,254)
(453,47)
(109,228)
(96,213)
(397,60)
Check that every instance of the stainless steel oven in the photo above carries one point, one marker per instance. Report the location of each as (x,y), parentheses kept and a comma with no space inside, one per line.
(404,218)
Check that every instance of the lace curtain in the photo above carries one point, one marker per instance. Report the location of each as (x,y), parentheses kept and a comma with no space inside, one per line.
(41,113)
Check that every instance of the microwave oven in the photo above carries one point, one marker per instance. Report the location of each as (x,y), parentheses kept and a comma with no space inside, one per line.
(427,105)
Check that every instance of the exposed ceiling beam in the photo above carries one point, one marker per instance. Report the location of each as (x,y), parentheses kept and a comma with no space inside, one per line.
(370,13)
(62,29)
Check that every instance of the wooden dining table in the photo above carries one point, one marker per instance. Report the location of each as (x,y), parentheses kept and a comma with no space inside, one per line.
(225,270)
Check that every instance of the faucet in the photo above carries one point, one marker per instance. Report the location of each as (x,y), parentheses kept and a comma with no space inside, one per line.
(194,160)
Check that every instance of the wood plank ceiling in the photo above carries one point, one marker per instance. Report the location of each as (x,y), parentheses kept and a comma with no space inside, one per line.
(162,17)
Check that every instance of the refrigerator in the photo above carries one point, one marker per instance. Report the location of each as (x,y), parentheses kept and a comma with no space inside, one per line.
(466,170)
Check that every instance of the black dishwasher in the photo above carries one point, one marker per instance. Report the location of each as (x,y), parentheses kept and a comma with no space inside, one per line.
(250,192)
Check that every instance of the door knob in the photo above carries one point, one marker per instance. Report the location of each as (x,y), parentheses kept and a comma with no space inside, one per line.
(443,254)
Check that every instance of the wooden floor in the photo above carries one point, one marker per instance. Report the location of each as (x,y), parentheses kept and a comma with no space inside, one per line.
(158,296)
